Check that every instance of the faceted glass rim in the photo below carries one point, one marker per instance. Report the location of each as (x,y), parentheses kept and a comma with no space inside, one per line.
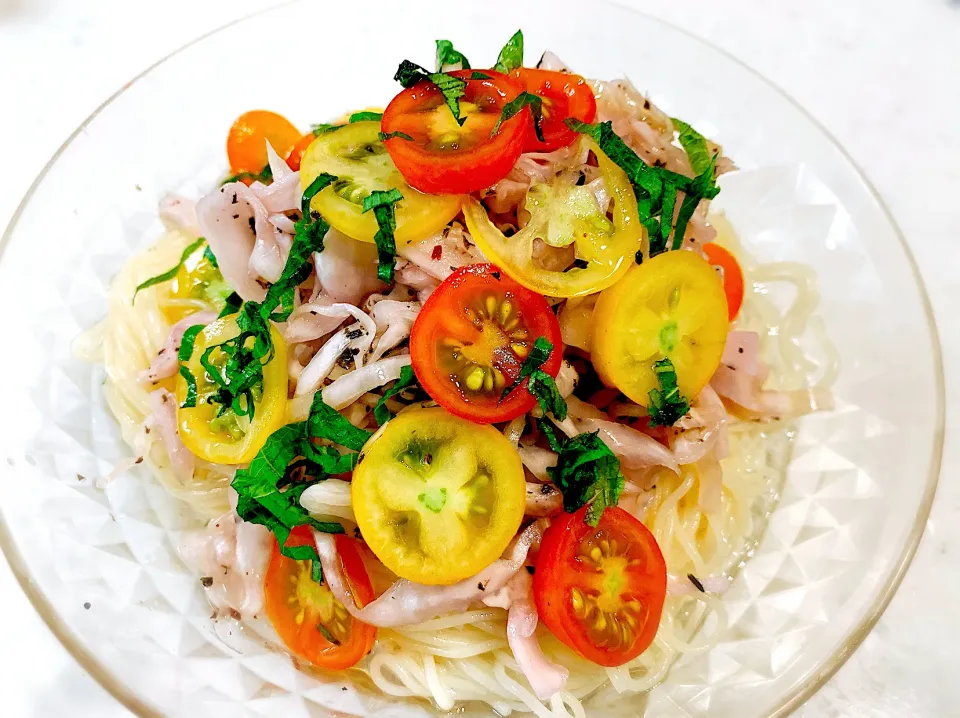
(792,700)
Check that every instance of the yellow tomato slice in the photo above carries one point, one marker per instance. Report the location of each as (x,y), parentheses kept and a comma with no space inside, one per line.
(356,156)
(605,252)
(198,285)
(438,498)
(670,306)
(230,439)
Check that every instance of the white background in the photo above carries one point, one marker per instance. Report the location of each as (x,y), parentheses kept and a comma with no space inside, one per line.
(882,75)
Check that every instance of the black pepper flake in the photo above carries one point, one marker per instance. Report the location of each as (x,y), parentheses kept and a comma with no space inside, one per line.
(354,334)
(236,216)
(495,275)
(696,582)
(481,586)
(343,688)
(546,489)
(139,460)
(580,263)
(87,605)
(659,163)
(646,104)
(356,532)
(638,257)
(739,350)
(531,569)
(253,224)
(206,581)
(234,200)
(81,477)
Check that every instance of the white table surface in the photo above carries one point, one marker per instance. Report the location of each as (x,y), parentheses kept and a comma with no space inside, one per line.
(882,75)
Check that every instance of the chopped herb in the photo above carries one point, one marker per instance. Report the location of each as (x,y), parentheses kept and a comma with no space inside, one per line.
(265,176)
(452,88)
(322,180)
(325,422)
(695,145)
(479,76)
(269,495)
(656,188)
(239,374)
(587,472)
(407,379)
(544,388)
(384,136)
(382,203)
(309,233)
(190,400)
(539,383)
(365,116)
(187,342)
(667,404)
(211,257)
(524,99)
(447,54)
(206,581)
(704,185)
(323,128)
(172,272)
(511,56)
(231,305)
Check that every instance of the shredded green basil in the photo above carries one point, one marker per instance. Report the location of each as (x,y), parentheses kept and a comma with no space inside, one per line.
(667,404)
(656,188)
(172,272)
(524,99)
(407,380)
(587,472)
(540,384)
(382,203)
(447,54)
(384,136)
(694,144)
(265,176)
(452,88)
(511,56)
(323,128)
(365,117)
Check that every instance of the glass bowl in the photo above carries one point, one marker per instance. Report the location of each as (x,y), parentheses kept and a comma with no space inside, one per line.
(100,565)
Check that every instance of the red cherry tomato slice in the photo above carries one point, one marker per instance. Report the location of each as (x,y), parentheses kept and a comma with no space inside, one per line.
(443,157)
(296,154)
(564,95)
(730,273)
(601,590)
(471,337)
(312,623)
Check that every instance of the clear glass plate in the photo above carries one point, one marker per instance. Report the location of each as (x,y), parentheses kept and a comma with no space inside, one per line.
(101,567)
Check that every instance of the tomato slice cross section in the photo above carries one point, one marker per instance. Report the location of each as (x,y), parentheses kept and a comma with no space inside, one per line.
(441,156)
(312,623)
(471,338)
(601,590)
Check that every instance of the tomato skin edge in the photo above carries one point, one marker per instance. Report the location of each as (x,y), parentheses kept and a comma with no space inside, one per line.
(322,653)
(551,580)
(733,279)
(457,172)
(423,341)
